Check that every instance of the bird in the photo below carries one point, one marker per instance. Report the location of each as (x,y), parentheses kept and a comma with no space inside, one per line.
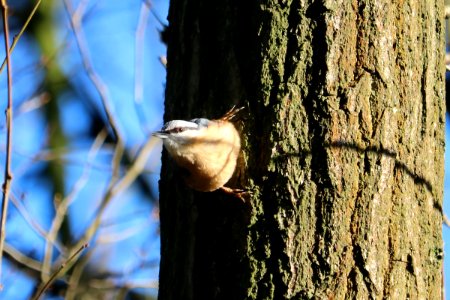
(207,149)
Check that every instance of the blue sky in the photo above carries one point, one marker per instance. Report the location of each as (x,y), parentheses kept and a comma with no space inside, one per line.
(121,38)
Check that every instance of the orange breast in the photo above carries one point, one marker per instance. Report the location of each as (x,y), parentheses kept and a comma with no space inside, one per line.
(211,158)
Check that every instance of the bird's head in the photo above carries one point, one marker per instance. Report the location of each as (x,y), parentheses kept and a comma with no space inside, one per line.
(177,133)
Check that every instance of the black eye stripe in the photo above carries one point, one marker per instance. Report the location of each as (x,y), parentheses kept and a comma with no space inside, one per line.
(177,129)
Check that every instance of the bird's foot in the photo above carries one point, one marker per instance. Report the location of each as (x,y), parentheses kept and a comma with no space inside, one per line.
(238,193)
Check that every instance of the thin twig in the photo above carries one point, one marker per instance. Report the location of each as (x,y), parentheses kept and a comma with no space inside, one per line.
(115,185)
(128,285)
(139,56)
(118,236)
(33,103)
(131,174)
(8,174)
(56,273)
(34,224)
(101,88)
(136,168)
(139,61)
(24,262)
(75,17)
(60,155)
(64,205)
(75,276)
(17,37)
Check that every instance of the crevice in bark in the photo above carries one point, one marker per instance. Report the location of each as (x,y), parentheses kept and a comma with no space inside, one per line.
(292,45)
(318,117)
(352,284)
(360,264)
(423,119)
(276,243)
(375,75)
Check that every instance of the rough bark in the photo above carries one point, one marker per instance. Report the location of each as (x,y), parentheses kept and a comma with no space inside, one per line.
(343,141)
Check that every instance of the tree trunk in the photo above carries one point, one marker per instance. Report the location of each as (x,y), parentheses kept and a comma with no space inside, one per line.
(343,140)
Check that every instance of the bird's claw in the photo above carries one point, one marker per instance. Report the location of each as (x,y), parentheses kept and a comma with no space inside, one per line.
(238,193)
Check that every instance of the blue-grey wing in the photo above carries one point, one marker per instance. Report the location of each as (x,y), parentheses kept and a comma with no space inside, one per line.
(202,122)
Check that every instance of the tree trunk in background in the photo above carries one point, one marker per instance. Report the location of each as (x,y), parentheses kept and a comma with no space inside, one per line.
(343,140)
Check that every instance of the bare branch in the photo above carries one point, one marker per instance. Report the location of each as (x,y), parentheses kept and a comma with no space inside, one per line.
(17,37)
(108,284)
(75,22)
(139,60)
(8,174)
(22,259)
(75,277)
(139,57)
(131,174)
(124,234)
(42,290)
(35,102)
(63,206)
(31,220)
(137,167)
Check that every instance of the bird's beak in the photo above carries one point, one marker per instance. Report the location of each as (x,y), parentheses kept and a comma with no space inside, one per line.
(160,134)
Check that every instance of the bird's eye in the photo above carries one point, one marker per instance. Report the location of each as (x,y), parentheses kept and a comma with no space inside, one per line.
(178,129)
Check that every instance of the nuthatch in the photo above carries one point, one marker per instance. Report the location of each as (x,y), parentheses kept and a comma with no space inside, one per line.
(207,149)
